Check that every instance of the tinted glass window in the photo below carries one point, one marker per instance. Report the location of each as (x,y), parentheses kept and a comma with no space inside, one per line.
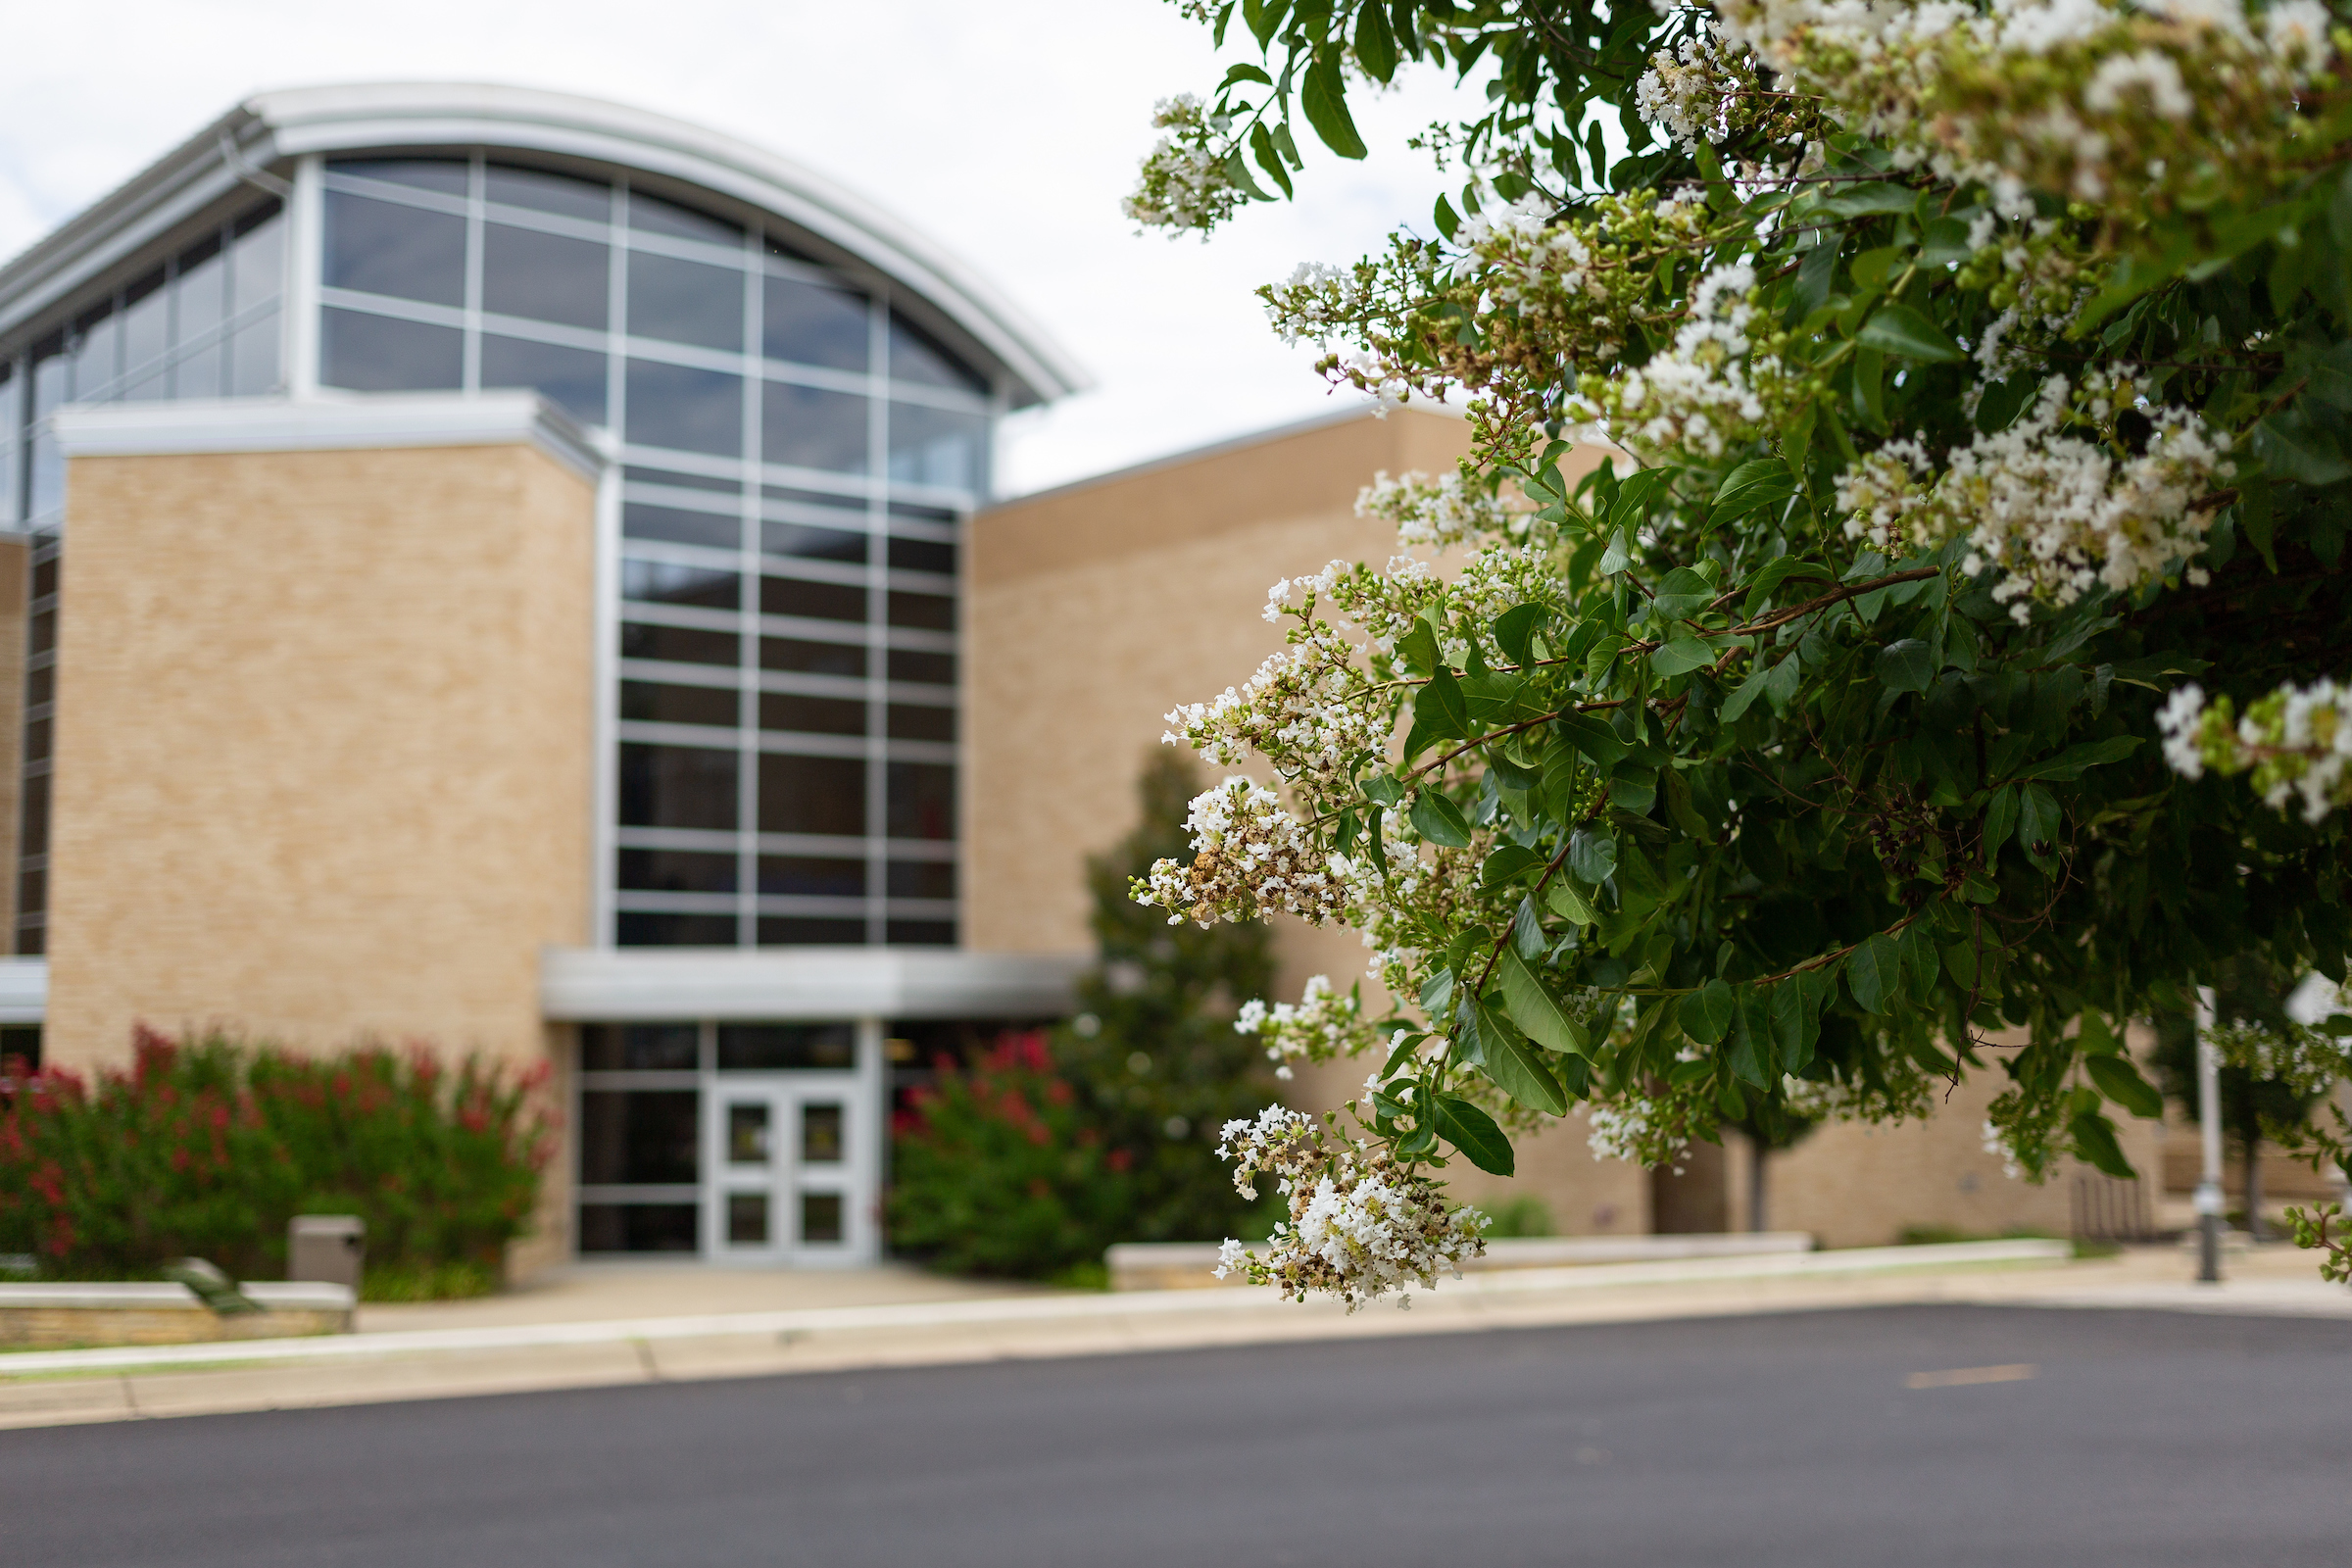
(666,582)
(911,721)
(658,217)
(930,670)
(811,794)
(809,427)
(678,405)
(812,658)
(677,786)
(922,879)
(571,378)
(543,192)
(677,871)
(146,321)
(819,601)
(253,359)
(929,611)
(802,931)
(385,248)
(448,176)
(378,354)
(639,1136)
(810,544)
(683,644)
(796,876)
(923,800)
(813,498)
(917,356)
(935,446)
(640,1047)
(201,291)
(787,1046)
(640,1228)
(920,934)
(685,301)
(817,715)
(690,481)
(668,928)
(651,703)
(642,519)
(923,555)
(258,263)
(546,277)
(812,325)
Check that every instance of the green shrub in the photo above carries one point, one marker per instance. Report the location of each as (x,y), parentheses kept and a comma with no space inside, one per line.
(998,1169)
(208,1145)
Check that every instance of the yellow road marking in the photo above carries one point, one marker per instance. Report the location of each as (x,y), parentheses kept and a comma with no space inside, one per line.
(2017,1372)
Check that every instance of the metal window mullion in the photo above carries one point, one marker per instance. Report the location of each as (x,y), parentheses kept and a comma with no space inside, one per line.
(877,593)
(471,376)
(616,281)
(747,539)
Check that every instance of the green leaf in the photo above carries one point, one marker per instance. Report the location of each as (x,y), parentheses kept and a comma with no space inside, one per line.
(1436,993)
(1793,1025)
(2069,764)
(1960,962)
(1473,1132)
(1705,1013)
(1440,709)
(1591,857)
(1324,97)
(1261,147)
(1440,822)
(1515,630)
(1775,572)
(1684,591)
(1860,200)
(1741,700)
(1534,1009)
(2254,518)
(1383,787)
(2122,1083)
(1900,329)
(2001,816)
(1593,738)
(1568,903)
(1753,1060)
(1375,45)
(1907,666)
(1871,970)
(1680,657)
(1418,648)
(1263,17)
(1514,1067)
(1635,790)
(1508,864)
(1752,486)
(1445,217)
(2095,1142)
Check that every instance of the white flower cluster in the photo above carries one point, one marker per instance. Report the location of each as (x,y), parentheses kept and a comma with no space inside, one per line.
(1311,709)
(1362,1226)
(2307,1062)
(1632,1129)
(1438,514)
(1183,184)
(2297,740)
(1702,393)
(1907,1095)
(1323,1025)
(1692,92)
(1252,858)
(1998,1142)
(2056,512)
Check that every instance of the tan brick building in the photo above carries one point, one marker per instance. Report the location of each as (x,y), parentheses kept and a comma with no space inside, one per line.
(509,572)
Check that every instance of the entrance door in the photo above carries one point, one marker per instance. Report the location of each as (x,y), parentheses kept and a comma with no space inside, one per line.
(788,1189)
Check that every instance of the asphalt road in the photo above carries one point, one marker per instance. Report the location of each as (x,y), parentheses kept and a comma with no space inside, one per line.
(2139,1439)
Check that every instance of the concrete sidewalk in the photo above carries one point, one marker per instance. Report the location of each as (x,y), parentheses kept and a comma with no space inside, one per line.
(615,1325)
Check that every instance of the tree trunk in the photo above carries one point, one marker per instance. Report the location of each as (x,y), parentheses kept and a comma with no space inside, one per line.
(2256,1228)
(1757,1156)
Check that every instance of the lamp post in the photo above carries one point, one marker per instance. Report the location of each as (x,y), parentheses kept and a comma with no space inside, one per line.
(2209,1132)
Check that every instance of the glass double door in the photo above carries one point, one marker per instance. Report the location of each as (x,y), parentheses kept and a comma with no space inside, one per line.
(788,1188)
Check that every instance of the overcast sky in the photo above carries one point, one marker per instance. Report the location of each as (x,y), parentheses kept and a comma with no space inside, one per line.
(1008,130)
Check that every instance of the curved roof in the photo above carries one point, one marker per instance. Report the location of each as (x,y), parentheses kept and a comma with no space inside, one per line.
(271,127)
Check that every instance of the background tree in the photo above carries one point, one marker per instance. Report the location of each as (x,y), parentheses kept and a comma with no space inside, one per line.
(2255,1105)
(1986,400)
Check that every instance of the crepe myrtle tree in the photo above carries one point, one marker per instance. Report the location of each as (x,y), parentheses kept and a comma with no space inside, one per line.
(1978,394)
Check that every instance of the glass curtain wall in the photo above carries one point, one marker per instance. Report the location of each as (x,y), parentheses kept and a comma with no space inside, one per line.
(202,321)
(799,461)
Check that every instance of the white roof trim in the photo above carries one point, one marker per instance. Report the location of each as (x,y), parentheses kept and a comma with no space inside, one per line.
(292,121)
(616,984)
(327,425)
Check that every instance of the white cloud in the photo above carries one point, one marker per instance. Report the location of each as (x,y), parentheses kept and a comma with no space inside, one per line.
(1008,132)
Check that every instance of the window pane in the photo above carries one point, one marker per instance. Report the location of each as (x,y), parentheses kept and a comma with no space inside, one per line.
(813,498)
(922,879)
(640,1228)
(666,928)
(917,356)
(639,1046)
(658,217)
(812,795)
(543,192)
(201,291)
(384,248)
(688,481)
(95,344)
(820,1218)
(378,354)
(817,715)
(691,410)
(253,359)
(746,1139)
(810,544)
(794,876)
(679,645)
(685,301)
(923,800)
(809,324)
(677,871)
(787,1046)
(146,323)
(929,611)
(640,519)
(919,721)
(922,933)
(812,658)
(931,669)
(630,1137)
(199,374)
(677,786)
(816,600)
(651,703)
(258,263)
(444,175)
(747,1217)
(667,583)
(935,446)
(546,277)
(809,427)
(923,555)
(820,1134)
(573,378)
(801,931)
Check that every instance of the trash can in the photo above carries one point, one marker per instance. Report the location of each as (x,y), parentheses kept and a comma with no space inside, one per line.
(326,1247)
